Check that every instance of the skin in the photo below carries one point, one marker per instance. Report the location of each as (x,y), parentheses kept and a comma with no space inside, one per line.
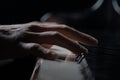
(35,38)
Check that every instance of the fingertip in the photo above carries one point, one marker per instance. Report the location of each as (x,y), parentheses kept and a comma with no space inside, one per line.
(50,56)
(86,51)
(82,49)
(94,42)
(70,57)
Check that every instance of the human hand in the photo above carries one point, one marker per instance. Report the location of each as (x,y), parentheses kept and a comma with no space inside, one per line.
(32,39)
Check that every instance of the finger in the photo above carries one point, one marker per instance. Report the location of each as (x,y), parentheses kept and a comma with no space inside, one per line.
(47,46)
(67,31)
(37,50)
(70,57)
(63,53)
(55,38)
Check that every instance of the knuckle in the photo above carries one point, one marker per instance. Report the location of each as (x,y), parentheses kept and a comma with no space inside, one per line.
(35,46)
(64,26)
(33,24)
(55,33)
(29,46)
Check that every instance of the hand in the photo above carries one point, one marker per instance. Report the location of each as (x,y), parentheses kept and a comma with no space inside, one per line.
(33,39)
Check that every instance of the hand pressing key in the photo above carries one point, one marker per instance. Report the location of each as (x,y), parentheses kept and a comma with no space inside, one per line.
(33,38)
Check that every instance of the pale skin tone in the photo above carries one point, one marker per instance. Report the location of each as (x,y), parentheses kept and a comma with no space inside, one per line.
(35,38)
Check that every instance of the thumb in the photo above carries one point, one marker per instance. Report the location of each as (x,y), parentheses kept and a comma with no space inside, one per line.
(37,50)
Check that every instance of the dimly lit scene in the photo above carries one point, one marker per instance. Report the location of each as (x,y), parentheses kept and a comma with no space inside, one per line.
(84,34)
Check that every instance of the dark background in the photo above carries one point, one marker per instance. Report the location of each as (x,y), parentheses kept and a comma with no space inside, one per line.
(103,23)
